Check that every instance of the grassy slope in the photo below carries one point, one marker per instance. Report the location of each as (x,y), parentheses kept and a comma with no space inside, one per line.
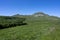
(37,29)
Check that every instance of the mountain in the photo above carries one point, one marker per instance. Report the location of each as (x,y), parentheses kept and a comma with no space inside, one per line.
(38,14)
(16,15)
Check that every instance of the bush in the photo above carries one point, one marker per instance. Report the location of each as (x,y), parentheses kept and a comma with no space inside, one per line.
(7,21)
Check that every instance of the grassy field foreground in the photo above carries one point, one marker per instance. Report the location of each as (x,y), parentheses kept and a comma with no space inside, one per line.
(35,30)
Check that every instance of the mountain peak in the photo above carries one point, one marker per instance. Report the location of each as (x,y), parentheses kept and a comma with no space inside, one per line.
(39,14)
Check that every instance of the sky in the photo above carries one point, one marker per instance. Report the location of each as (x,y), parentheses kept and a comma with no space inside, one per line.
(29,7)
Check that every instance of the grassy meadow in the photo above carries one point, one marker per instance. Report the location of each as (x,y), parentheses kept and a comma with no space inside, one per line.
(37,28)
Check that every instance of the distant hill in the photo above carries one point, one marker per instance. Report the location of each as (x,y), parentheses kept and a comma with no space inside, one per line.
(16,15)
(37,16)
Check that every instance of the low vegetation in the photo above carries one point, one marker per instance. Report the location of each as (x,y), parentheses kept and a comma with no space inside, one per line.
(7,21)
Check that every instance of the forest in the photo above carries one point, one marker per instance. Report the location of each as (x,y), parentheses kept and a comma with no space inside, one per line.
(9,21)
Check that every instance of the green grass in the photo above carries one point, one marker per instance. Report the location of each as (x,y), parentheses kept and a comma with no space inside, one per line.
(35,30)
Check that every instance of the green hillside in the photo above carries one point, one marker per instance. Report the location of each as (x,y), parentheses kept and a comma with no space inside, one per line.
(37,28)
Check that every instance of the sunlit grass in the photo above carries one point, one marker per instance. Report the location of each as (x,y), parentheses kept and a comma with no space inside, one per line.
(35,30)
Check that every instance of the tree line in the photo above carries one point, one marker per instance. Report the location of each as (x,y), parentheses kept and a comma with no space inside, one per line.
(9,21)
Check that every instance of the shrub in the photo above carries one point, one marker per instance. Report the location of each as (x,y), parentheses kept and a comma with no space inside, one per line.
(7,21)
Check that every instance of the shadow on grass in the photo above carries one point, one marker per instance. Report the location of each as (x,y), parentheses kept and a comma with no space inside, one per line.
(13,25)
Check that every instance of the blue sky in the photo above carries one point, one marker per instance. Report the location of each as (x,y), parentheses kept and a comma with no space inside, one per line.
(28,7)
